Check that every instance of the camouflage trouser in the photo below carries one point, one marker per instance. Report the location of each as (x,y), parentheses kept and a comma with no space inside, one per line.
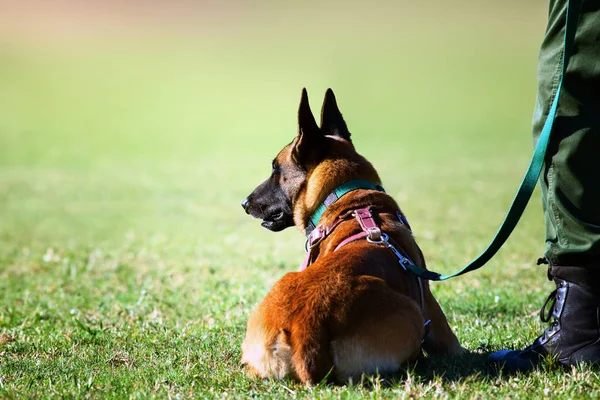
(571,177)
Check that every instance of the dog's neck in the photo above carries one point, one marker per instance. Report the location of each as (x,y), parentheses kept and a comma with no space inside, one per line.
(335,195)
(343,164)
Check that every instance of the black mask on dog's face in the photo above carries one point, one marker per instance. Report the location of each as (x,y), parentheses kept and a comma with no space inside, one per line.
(270,203)
(273,200)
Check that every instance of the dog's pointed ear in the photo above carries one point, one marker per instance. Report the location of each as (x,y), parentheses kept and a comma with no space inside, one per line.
(310,138)
(332,122)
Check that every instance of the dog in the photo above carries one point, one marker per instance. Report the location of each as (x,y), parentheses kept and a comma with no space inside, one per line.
(352,309)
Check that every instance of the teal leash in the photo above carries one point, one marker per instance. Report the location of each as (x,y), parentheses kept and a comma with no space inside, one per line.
(533,172)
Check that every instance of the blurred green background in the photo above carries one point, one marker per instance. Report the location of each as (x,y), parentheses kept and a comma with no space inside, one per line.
(130,132)
(151,117)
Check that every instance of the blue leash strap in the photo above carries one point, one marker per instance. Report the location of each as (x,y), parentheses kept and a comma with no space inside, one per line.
(533,172)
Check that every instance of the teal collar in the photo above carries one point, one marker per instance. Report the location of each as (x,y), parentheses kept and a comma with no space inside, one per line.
(335,195)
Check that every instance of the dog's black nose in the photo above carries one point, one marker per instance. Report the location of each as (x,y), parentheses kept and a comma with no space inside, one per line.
(245,204)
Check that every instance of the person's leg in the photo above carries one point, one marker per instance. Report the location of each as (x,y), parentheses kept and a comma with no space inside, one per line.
(570,193)
(571,181)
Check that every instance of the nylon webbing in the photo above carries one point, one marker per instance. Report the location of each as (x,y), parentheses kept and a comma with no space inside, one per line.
(535,167)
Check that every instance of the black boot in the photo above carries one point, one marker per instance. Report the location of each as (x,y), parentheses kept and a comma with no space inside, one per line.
(573,337)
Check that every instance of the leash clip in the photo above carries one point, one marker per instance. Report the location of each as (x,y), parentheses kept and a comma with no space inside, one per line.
(403,261)
(384,239)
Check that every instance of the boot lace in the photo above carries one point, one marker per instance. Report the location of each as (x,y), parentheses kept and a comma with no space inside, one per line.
(545,317)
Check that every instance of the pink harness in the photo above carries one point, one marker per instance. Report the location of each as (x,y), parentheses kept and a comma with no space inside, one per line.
(372,233)
(370,230)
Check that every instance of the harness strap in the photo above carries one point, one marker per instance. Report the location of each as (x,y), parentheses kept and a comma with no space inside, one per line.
(368,224)
(352,238)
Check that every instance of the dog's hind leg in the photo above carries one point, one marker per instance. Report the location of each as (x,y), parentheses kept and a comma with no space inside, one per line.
(311,356)
(384,330)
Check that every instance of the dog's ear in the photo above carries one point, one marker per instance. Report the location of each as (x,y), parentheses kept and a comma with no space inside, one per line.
(310,140)
(332,122)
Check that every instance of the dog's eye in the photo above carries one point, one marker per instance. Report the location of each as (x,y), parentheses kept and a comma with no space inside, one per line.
(275,168)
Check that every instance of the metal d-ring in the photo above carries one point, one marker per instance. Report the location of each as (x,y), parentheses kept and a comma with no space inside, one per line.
(383,239)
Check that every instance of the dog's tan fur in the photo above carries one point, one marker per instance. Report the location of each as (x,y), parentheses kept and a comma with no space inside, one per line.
(352,311)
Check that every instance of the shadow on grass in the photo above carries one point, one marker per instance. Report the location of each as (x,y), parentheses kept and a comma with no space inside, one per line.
(452,369)
(471,365)
(449,369)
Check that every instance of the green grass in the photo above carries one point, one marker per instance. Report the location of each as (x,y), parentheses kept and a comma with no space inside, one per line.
(127,267)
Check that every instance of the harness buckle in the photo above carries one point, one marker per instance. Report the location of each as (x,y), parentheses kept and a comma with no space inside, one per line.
(314,238)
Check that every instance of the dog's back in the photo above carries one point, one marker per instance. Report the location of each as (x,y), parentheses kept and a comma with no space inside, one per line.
(335,314)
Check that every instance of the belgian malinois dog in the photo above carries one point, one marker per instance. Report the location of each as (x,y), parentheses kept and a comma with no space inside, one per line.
(354,310)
